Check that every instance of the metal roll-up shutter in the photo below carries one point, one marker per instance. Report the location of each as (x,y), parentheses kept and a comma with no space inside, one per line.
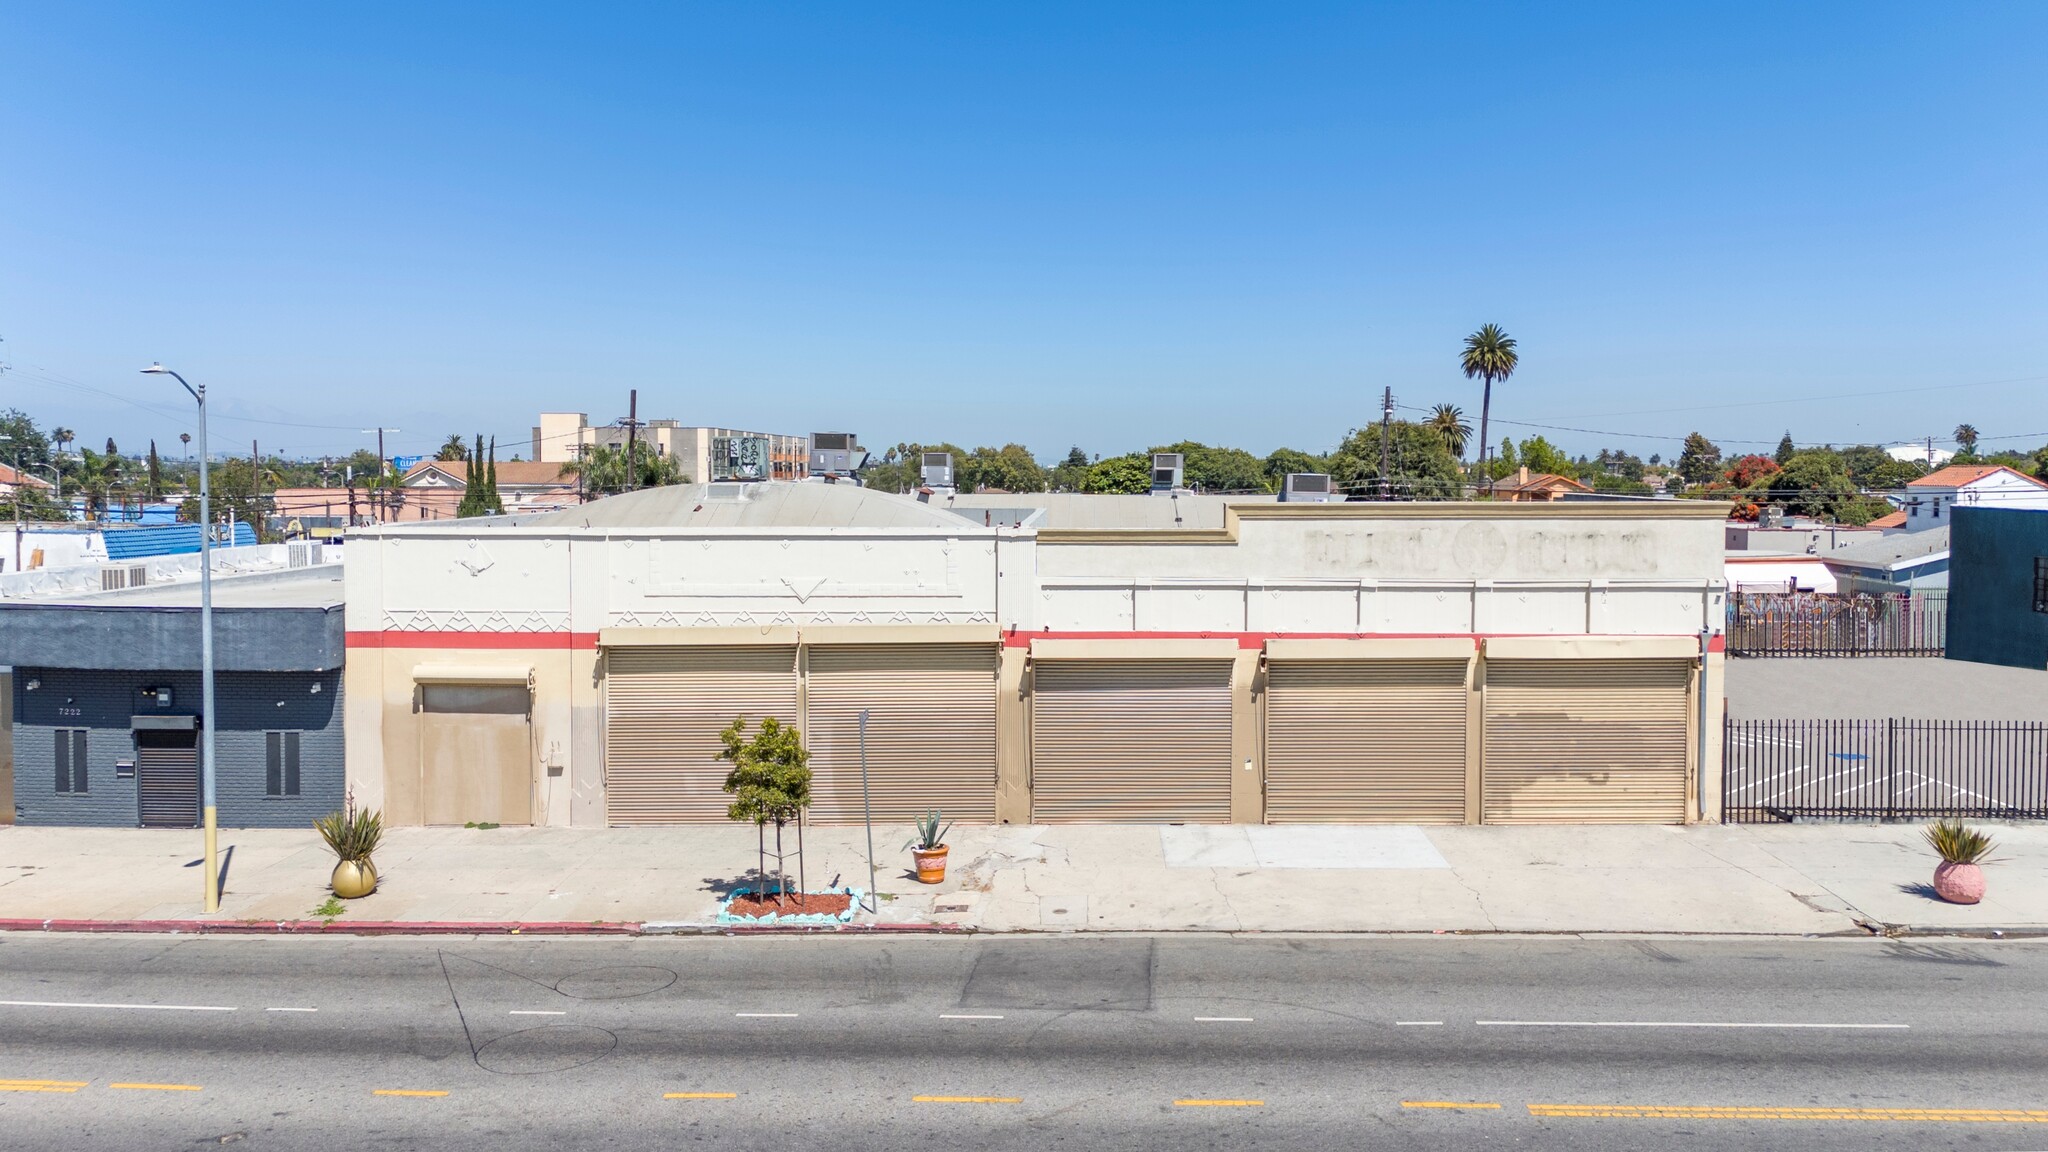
(664,709)
(931,730)
(1365,741)
(167,778)
(1130,740)
(1585,741)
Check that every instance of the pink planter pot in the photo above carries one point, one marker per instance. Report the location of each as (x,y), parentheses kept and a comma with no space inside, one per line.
(1959,883)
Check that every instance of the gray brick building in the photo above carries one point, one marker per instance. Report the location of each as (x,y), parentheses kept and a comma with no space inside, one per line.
(106,703)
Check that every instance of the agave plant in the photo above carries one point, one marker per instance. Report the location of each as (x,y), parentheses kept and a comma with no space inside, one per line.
(351,834)
(929,833)
(1957,842)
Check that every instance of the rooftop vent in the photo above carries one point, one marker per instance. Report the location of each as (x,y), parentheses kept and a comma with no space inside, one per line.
(1307,488)
(731,492)
(1168,468)
(123,576)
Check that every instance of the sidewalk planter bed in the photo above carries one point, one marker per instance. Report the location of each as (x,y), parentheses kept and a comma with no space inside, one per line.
(928,849)
(832,906)
(1958,879)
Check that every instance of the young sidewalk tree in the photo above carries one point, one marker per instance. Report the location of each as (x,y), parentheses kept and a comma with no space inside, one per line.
(770,781)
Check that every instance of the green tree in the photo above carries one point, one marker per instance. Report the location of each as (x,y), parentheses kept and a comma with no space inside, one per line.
(1812,483)
(1419,467)
(1010,468)
(1129,473)
(1213,469)
(156,473)
(1966,439)
(493,504)
(1067,475)
(602,470)
(1281,462)
(1700,460)
(770,782)
(1489,355)
(25,441)
(1785,451)
(1540,455)
(473,502)
(453,449)
(1450,425)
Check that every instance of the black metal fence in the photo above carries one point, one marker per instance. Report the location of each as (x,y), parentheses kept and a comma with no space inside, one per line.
(1780,770)
(1829,624)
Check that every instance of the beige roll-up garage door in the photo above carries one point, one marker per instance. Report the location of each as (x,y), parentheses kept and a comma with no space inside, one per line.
(931,730)
(1365,741)
(1130,740)
(1585,741)
(664,709)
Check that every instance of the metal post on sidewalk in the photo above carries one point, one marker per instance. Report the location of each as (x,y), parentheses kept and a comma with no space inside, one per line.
(873,904)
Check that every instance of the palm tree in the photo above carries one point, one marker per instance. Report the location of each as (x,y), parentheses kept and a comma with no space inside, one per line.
(1448,422)
(1489,356)
(1966,438)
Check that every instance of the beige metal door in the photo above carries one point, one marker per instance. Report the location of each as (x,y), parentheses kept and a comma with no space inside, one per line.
(1365,741)
(1141,741)
(664,709)
(476,754)
(931,730)
(1585,741)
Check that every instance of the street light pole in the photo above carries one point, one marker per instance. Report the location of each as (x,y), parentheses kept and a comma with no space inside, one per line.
(211,877)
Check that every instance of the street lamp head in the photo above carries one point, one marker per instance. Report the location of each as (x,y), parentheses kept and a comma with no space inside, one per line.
(155,370)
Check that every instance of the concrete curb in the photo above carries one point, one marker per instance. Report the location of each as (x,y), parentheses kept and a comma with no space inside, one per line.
(456,928)
(329,928)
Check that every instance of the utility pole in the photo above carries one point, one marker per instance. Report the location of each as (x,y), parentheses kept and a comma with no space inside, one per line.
(255,491)
(383,488)
(1386,422)
(632,423)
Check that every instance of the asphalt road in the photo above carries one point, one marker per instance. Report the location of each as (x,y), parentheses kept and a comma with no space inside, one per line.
(1021,1042)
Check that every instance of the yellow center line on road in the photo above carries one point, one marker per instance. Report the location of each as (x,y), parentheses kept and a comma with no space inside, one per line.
(42,1085)
(700,1096)
(1448,1104)
(1749,1112)
(1219,1103)
(406,1092)
(966,1100)
(159,1087)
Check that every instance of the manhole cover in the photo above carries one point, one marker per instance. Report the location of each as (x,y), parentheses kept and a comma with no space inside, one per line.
(615,983)
(554,1048)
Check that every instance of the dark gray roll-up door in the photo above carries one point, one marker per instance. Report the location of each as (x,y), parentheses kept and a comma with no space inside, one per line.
(167,778)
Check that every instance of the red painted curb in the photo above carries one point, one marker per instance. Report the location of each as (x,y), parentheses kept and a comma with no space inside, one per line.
(331,928)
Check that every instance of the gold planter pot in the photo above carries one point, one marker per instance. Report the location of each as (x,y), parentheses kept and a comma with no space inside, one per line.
(352,880)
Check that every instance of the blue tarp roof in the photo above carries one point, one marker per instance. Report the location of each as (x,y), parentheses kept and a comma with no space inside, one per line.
(165,540)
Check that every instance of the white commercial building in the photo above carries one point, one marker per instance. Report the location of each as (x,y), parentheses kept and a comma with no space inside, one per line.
(1241,662)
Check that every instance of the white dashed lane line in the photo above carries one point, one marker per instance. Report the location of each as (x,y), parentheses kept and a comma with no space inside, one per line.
(130,1007)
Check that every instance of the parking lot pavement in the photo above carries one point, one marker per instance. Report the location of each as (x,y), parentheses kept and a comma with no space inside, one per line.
(1907,687)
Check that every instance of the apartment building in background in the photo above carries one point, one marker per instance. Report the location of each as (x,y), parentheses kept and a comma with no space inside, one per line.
(705,454)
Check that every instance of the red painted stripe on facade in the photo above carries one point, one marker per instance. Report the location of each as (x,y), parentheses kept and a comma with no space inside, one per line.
(587,641)
(1256,640)
(523,641)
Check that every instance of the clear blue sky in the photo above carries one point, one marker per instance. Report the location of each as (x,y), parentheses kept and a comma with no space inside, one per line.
(1104,225)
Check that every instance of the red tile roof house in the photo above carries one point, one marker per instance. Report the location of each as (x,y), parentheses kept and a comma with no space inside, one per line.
(433,488)
(1541,486)
(10,480)
(1930,499)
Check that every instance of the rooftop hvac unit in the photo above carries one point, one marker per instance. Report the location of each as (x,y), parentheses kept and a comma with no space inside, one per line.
(303,554)
(1307,488)
(836,454)
(123,576)
(936,469)
(1168,469)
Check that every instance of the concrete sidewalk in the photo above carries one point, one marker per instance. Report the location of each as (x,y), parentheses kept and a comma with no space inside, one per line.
(1779,880)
